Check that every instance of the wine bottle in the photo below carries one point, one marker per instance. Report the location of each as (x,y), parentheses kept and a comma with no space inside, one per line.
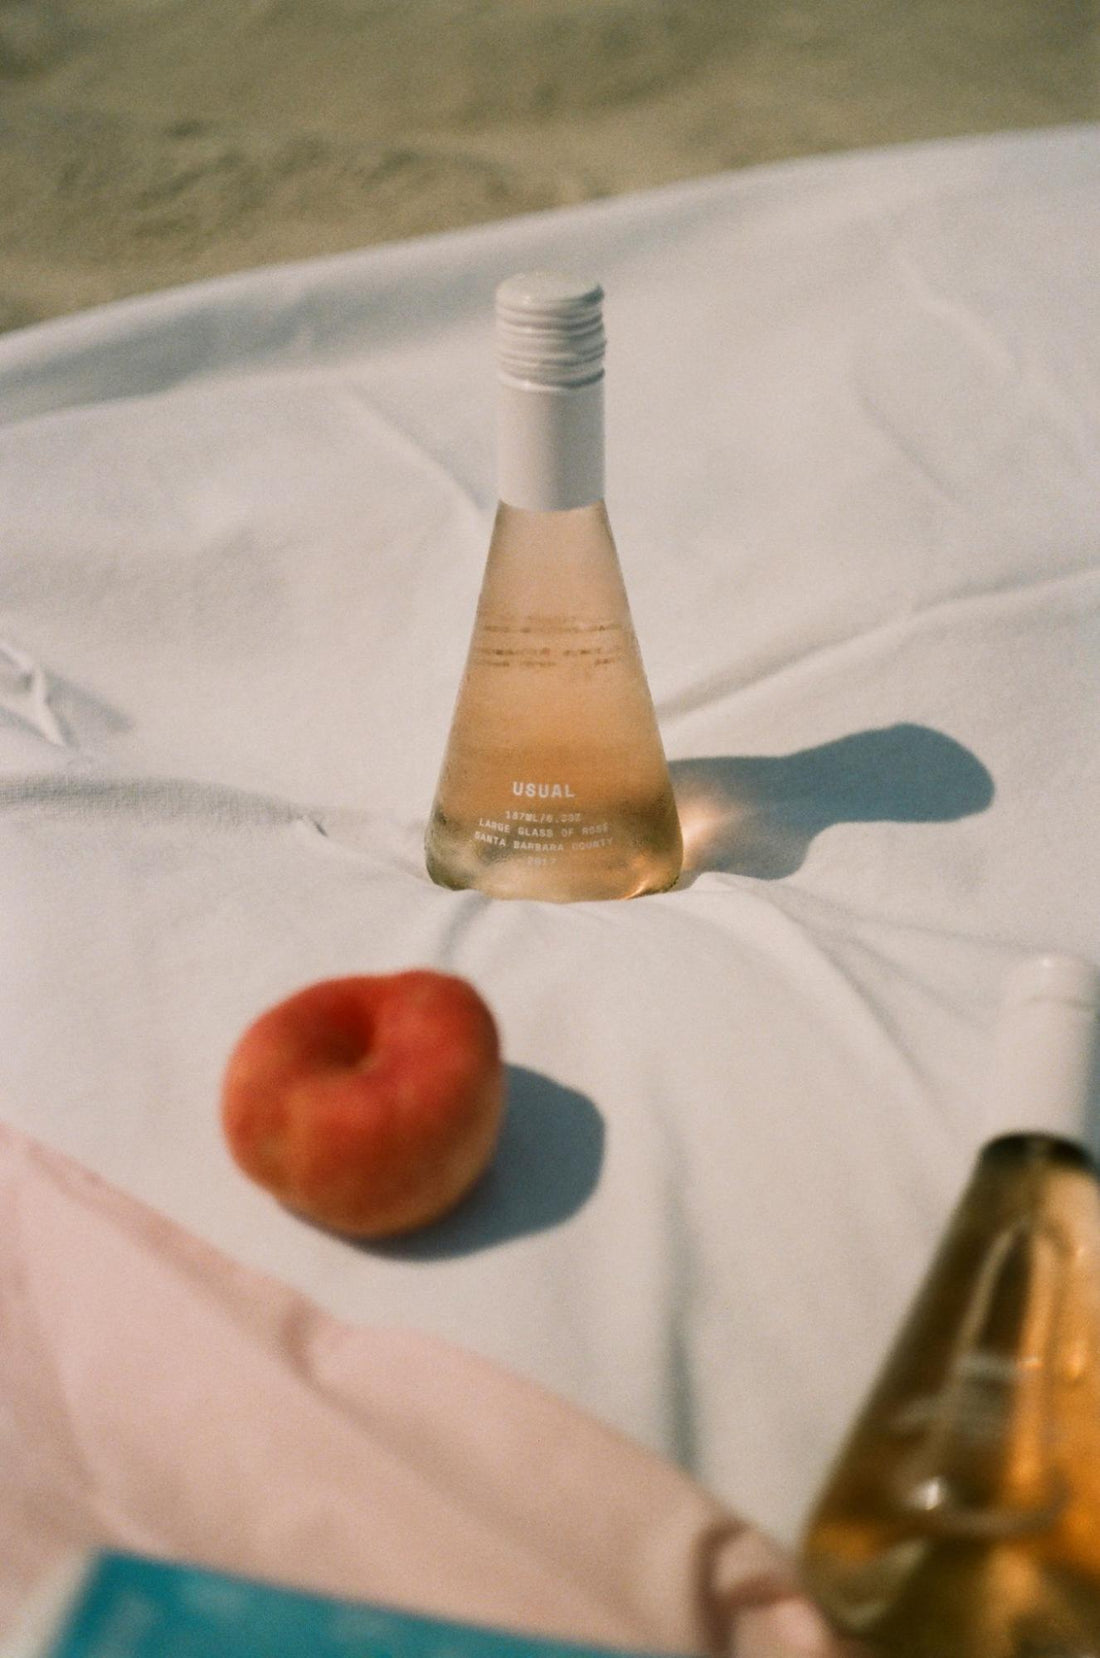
(962,1519)
(554,783)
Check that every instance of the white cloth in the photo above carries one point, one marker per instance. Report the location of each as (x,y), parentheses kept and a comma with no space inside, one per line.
(854,417)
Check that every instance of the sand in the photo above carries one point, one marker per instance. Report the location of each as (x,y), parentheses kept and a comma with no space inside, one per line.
(145,143)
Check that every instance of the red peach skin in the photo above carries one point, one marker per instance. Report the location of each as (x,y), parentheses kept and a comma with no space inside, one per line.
(369,1104)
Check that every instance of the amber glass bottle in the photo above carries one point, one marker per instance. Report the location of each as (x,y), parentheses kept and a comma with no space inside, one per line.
(962,1519)
(554,782)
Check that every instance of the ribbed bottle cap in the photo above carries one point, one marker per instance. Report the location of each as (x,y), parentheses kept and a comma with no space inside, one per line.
(1046,1062)
(549,330)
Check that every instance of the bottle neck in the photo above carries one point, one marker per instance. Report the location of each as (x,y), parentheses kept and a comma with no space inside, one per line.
(1036,1149)
(550,445)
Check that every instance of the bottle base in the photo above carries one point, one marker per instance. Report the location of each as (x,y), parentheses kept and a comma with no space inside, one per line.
(454,861)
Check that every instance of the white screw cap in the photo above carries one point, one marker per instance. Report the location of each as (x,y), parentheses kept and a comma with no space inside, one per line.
(1046,1058)
(1054,979)
(549,330)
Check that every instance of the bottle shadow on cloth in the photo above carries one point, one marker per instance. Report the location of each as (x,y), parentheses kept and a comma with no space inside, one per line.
(757,815)
(546,1167)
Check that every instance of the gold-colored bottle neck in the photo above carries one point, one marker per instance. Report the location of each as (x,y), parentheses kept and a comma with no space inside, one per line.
(1038,1150)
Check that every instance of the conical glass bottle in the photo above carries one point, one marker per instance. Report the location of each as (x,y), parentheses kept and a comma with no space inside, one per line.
(962,1519)
(554,782)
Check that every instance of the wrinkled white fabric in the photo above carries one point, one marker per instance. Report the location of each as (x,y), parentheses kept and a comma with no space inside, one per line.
(854,423)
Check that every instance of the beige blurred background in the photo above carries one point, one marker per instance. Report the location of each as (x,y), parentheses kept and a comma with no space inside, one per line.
(150,142)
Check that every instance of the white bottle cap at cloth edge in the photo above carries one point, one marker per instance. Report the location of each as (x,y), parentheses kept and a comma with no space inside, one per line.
(1046,1056)
(549,330)
(550,350)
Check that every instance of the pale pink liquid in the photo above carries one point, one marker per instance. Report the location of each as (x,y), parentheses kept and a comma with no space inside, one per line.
(554,784)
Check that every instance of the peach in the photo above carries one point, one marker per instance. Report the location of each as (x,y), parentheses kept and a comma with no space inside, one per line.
(370,1104)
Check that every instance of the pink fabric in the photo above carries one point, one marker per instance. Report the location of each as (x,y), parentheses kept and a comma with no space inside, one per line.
(156,1396)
